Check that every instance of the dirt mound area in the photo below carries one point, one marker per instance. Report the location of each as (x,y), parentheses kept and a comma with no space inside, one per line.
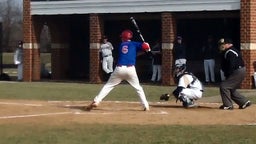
(119,112)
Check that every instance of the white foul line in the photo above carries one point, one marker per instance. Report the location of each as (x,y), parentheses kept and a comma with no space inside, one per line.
(34,115)
(24,104)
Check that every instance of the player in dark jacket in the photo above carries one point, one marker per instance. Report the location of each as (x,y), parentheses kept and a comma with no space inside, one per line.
(232,65)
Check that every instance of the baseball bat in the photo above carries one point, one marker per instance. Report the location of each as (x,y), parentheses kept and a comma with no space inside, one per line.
(137,28)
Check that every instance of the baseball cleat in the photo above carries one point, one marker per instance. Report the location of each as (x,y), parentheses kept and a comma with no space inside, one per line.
(247,104)
(91,106)
(226,107)
(146,109)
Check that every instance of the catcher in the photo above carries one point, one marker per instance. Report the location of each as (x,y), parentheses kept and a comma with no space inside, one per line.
(189,87)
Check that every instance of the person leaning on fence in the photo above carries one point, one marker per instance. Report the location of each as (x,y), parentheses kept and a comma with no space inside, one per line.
(156,62)
(209,51)
(179,52)
(18,60)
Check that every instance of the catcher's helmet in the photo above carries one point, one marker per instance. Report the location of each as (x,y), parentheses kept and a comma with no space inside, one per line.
(126,35)
(179,69)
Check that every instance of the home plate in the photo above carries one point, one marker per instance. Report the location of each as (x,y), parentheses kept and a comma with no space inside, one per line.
(160,113)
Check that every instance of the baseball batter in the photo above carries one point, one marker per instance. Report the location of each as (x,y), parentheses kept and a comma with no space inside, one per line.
(107,58)
(125,70)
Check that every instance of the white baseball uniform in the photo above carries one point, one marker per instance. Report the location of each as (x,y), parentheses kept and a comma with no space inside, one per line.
(193,88)
(18,60)
(107,61)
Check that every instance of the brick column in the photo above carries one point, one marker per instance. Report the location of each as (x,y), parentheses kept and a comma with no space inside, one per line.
(168,33)
(95,36)
(31,58)
(248,39)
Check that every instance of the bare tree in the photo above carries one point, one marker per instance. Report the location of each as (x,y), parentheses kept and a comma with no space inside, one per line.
(11,15)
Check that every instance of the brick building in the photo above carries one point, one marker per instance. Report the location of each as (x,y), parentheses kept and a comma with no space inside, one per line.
(76,27)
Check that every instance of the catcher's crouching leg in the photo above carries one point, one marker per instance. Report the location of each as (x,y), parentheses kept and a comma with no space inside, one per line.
(187,103)
(165,97)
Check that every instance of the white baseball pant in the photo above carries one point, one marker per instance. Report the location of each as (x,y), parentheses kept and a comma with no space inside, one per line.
(121,73)
(107,64)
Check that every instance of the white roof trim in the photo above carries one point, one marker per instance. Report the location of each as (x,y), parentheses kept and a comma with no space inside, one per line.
(130,6)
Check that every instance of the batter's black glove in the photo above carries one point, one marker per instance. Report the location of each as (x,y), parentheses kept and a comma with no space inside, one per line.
(165,97)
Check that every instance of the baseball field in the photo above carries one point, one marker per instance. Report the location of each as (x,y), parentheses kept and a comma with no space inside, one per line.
(52,113)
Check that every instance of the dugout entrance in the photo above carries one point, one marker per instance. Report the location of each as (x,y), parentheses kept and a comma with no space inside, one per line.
(195,28)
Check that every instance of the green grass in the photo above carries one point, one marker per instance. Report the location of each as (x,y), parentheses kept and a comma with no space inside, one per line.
(83,91)
(126,134)
(8,58)
(77,133)
(12,71)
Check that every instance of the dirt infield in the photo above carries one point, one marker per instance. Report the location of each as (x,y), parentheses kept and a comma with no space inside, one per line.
(116,112)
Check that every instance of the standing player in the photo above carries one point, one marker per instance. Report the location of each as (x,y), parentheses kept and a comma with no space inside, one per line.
(18,60)
(179,51)
(107,58)
(125,70)
(156,62)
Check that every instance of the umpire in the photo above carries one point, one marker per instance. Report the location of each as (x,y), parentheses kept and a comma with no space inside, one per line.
(232,65)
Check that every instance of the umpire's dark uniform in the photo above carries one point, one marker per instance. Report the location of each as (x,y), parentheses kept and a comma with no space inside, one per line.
(233,66)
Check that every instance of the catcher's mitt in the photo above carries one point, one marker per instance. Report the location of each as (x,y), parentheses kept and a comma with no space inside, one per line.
(165,97)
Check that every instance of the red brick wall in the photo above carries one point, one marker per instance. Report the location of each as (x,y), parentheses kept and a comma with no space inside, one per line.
(168,33)
(248,39)
(31,68)
(95,36)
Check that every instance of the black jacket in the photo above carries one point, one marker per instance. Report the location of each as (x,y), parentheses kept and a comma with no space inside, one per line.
(209,51)
(231,60)
(179,51)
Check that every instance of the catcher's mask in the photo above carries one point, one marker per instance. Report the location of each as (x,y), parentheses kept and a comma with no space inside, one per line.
(179,70)
(126,35)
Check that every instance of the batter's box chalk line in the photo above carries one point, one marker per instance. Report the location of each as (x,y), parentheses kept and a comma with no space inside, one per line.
(21,104)
(34,115)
